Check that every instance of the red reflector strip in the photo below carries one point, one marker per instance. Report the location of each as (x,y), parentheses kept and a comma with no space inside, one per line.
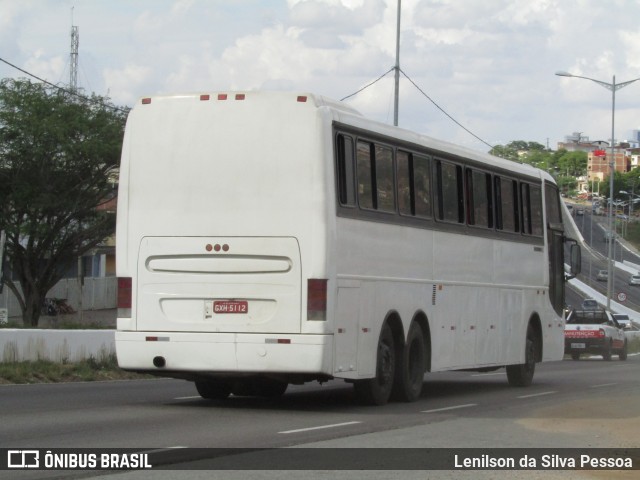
(156,339)
(205,97)
(285,341)
(239,96)
(222,96)
(146,101)
(302,98)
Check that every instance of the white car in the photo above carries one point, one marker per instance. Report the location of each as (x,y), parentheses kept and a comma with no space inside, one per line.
(634,280)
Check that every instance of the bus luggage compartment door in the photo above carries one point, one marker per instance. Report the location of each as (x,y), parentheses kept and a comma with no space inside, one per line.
(221,284)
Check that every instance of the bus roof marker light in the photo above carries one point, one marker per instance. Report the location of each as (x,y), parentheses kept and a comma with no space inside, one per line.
(240,96)
(302,98)
(205,97)
(222,96)
(146,100)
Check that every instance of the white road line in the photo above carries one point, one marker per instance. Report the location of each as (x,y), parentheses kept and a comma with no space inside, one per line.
(450,408)
(537,394)
(603,385)
(187,398)
(320,427)
(487,374)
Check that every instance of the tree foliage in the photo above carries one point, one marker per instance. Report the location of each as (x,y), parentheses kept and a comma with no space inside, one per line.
(56,155)
(561,163)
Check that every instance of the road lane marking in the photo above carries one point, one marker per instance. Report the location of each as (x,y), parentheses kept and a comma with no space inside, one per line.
(187,398)
(487,374)
(603,385)
(537,394)
(450,408)
(321,427)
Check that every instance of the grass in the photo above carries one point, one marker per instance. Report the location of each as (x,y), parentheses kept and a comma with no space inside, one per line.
(633,234)
(45,371)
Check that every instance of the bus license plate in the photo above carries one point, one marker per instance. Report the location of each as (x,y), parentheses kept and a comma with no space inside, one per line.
(578,345)
(230,306)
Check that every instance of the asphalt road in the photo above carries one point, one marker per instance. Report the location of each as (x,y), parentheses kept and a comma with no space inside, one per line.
(589,403)
(591,227)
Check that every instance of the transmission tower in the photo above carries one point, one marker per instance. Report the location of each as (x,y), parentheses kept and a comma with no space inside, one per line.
(73,61)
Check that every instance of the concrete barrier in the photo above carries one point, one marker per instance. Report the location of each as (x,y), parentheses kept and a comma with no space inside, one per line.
(63,346)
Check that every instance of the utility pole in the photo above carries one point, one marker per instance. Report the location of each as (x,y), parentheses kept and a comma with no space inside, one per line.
(397,68)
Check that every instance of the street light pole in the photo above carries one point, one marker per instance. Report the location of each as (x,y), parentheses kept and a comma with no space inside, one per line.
(613,86)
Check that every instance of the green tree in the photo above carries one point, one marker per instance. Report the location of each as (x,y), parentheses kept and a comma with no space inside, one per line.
(57,152)
(572,163)
(519,151)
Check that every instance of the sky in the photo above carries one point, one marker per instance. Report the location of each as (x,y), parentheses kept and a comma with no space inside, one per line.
(487,64)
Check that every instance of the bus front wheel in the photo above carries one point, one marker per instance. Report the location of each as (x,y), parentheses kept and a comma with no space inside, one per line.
(521,375)
(377,390)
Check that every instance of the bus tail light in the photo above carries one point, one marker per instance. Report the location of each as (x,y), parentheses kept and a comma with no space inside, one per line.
(124,297)
(316,299)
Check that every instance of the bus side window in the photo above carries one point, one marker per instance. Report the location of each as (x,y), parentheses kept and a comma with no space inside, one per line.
(346,173)
(384,179)
(422,186)
(535,196)
(531,199)
(406,193)
(450,192)
(506,204)
(479,199)
(414,184)
(365,175)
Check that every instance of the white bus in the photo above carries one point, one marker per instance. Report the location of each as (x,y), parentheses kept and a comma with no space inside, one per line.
(270,238)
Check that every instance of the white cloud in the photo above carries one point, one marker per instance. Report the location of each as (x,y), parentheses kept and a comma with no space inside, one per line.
(126,82)
(489,64)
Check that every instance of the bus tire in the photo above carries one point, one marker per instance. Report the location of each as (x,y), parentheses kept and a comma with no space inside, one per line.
(213,389)
(411,367)
(377,390)
(521,375)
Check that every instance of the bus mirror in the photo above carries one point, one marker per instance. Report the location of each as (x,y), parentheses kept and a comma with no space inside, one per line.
(575,255)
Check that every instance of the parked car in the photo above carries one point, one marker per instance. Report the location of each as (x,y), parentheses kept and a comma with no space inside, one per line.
(608,236)
(580,211)
(634,280)
(603,275)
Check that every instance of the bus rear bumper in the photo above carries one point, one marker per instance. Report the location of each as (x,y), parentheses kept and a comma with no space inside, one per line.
(224,353)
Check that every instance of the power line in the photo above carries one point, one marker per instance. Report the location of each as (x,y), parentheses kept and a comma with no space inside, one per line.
(367,86)
(443,111)
(426,96)
(69,92)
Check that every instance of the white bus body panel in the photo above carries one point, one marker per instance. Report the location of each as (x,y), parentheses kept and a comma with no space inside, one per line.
(257,175)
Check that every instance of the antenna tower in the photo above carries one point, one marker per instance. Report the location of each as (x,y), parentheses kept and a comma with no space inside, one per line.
(73,61)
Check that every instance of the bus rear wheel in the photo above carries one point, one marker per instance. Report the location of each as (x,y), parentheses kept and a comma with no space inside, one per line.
(521,375)
(213,389)
(377,390)
(411,367)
